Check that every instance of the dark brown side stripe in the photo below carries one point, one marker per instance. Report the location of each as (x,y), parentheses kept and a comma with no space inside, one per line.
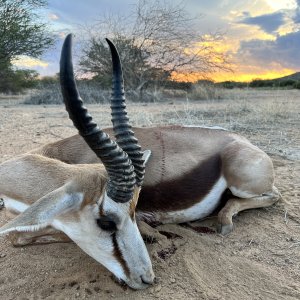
(184,191)
(119,256)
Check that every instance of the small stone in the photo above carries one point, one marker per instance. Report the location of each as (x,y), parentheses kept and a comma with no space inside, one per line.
(173,280)
(77,295)
(158,288)
(88,291)
(2,255)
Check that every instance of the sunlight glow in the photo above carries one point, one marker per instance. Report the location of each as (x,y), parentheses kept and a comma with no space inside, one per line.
(282,4)
(233,76)
(29,62)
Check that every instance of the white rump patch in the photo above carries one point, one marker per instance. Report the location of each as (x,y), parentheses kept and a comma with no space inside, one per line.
(198,211)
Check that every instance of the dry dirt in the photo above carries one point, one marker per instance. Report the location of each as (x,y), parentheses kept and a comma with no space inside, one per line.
(260,259)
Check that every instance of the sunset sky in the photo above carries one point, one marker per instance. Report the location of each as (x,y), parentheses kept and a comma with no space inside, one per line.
(262,37)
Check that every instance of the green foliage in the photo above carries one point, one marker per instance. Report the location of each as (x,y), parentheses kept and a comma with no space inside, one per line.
(287,83)
(15,81)
(278,83)
(296,85)
(232,84)
(21,33)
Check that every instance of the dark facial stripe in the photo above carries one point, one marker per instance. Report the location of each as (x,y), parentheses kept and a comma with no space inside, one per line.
(119,256)
(182,192)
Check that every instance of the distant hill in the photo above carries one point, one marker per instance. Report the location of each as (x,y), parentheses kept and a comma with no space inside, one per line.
(295,76)
(290,81)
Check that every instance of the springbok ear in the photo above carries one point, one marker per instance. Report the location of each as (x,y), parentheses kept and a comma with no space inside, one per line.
(146,156)
(43,212)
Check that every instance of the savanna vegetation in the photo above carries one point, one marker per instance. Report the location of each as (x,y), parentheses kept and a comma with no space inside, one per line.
(152,43)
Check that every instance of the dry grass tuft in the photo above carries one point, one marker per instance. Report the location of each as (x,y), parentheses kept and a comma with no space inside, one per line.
(205,92)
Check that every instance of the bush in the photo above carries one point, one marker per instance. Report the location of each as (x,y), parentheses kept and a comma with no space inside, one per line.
(232,84)
(296,85)
(16,81)
(204,92)
(287,82)
(51,94)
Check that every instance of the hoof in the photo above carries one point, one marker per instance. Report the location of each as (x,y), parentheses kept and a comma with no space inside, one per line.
(1,203)
(224,229)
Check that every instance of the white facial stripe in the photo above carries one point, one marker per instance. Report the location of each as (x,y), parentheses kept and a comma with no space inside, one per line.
(124,254)
(67,203)
(111,207)
(133,253)
(91,239)
(198,211)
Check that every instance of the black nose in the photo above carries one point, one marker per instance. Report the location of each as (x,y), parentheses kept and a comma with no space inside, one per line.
(146,281)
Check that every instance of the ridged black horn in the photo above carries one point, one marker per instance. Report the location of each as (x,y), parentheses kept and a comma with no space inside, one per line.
(123,133)
(121,176)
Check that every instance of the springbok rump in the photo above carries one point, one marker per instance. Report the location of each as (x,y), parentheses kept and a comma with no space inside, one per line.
(87,187)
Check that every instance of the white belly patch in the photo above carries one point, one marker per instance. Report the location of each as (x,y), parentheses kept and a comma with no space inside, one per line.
(199,210)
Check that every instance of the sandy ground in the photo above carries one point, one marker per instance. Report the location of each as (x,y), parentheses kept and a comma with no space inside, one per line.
(260,259)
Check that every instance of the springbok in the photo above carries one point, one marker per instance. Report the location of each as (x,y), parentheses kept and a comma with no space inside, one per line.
(86,187)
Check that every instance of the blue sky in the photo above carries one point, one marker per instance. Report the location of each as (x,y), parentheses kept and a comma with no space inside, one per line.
(261,36)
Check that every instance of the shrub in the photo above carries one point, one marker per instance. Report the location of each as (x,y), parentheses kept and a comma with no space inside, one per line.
(51,94)
(204,92)
(16,81)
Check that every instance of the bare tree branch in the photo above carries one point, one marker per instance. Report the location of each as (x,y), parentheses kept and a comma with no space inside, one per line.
(159,39)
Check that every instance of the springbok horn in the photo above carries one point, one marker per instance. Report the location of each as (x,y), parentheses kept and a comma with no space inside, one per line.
(121,176)
(123,133)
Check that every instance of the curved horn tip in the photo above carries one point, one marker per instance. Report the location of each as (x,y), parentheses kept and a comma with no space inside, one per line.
(109,42)
(68,40)
(69,36)
(66,50)
(112,46)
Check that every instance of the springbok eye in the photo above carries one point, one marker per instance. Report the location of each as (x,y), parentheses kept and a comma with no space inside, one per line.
(106,223)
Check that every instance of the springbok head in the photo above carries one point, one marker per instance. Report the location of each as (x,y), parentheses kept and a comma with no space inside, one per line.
(107,230)
(95,206)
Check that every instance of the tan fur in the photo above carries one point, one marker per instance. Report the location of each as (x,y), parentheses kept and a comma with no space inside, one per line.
(176,150)
(134,202)
(44,236)
(31,176)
